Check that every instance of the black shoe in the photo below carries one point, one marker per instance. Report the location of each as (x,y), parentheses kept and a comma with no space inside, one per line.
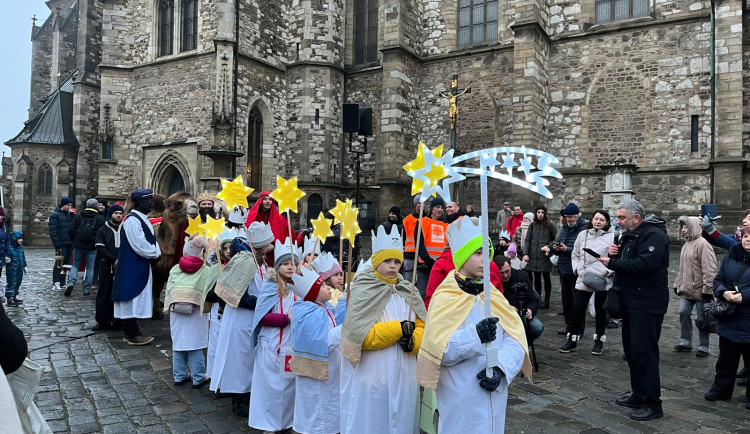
(598,347)
(626,402)
(682,349)
(544,304)
(713,396)
(183,381)
(17,300)
(12,302)
(612,324)
(742,382)
(241,409)
(203,382)
(646,413)
(701,353)
(570,344)
(68,291)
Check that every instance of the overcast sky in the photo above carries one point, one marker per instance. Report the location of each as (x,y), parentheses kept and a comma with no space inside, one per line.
(15,46)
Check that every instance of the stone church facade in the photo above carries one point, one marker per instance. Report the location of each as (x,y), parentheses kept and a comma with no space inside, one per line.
(175,94)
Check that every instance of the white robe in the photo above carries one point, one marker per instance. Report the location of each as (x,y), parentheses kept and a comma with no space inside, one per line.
(233,368)
(142,305)
(189,332)
(316,403)
(461,402)
(272,396)
(214,328)
(380,395)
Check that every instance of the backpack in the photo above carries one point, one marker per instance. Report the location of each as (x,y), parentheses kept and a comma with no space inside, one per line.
(86,233)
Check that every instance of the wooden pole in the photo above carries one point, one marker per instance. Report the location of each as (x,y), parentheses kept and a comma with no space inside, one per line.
(348,273)
(291,238)
(416,260)
(341,245)
(315,247)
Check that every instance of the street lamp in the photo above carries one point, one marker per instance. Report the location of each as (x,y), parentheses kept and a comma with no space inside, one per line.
(357,121)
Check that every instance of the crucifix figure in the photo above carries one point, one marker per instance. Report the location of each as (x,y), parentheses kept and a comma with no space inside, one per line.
(452,98)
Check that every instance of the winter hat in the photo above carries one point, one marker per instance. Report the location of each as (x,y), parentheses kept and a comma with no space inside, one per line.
(438,201)
(92,203)
(239,244)
(326,265)
(540,207)
(112,209)
(417,198)
(65,201)
(259,234)
(512,249)
(396,210)
(282,253)
(529,215)
(386,246)
(465,238)
(194,247)
(571,209)
(2,211)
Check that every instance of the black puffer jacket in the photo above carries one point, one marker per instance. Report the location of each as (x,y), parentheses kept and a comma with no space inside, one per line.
(59,222)
(568,237)
(83,229)
(641,267)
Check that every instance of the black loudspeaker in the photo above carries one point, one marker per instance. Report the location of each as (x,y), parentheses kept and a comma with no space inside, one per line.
(365,122)
(351,118)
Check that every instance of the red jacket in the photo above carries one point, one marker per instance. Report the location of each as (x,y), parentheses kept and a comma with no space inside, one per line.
(513,223)
(444,265)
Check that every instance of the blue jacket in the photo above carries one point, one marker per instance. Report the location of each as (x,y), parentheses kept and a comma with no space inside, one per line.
(4,244)
(737,328)
(568,237)
(17,263)
(58,228)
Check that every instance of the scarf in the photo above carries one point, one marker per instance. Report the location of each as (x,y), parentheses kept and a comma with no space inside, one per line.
(449,308)
(368,298)
(189,282)
(311,324)
(236,277)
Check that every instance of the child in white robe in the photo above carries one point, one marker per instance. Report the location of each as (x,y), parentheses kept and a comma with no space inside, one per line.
(189,282)
(315,360)
(452,359)
(272,392)
(380,338)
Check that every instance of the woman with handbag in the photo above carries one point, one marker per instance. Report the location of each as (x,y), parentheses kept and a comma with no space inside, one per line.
(536,253)
(694,283)
(732,312)
(592,278)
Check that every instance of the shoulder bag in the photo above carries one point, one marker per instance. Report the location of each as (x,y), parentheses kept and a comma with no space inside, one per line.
(721,309)
(594,281)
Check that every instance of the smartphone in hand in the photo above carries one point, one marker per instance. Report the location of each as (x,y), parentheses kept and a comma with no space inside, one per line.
(592,253)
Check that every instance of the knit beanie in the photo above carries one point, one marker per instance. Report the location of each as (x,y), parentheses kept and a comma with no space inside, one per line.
(571,209)
(512,250)
(395,210)
(464,241)
(529,215)
(283,258)
(112,209)
(438,201)
(65,201)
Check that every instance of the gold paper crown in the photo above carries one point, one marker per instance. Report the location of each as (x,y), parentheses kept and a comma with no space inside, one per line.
(205,195)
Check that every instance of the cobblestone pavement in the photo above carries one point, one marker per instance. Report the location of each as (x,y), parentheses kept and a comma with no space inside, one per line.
(96,383)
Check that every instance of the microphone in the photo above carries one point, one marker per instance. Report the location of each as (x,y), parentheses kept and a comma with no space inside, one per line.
(616,241)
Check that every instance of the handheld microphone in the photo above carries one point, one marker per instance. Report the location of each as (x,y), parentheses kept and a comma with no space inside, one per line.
(616,241)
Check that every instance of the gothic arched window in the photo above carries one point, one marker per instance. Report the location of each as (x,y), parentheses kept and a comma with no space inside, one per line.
(189,25)
(166,27)
(477,21)
(254,147)
(365,31)
(44,185)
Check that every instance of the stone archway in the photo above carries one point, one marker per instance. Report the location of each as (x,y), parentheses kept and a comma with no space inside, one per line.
(170,175)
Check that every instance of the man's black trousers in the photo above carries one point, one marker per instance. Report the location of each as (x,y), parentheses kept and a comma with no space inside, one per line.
(640,341)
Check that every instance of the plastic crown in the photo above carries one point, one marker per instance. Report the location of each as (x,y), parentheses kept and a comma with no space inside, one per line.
(309,244)
(458,237)
(302,282)
(383,241)
(280,250)
(238,215)
(324,262)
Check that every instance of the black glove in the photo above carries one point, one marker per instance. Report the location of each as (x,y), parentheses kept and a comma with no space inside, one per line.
(487,329)
(707,298)
(407,328)
(155,260)
(407,343)
(490,384)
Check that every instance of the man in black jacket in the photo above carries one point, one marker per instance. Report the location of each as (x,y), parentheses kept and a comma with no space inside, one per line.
(563,247)
(82,231)
(59,222)
(107,247)
(640,263)
(518,291)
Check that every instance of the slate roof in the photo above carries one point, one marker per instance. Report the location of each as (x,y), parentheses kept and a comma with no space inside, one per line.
(53,123)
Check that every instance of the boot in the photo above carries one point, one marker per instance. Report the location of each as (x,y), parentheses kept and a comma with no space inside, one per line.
(68,291)
(570,344)
(17,300)
(598,345)
(12,302)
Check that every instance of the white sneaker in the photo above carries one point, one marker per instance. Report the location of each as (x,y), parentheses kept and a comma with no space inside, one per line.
(56,287)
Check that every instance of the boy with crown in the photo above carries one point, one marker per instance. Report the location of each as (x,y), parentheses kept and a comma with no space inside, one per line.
(380,339)
(315,356)
(239,285)
(272,406)
(452,358)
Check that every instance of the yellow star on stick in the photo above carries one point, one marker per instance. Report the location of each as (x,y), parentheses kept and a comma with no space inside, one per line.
(234,193)
(349,224)
(436,173)
(321,228)
(287,194)
(417,186)
(338,210)
(194,226)
(213,227)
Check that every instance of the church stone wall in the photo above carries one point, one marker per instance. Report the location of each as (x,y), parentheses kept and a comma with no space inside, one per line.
(41,65)
(263,30)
